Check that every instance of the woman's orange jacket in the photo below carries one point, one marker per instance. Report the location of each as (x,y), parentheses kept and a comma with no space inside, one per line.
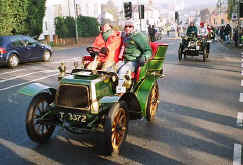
(113,44)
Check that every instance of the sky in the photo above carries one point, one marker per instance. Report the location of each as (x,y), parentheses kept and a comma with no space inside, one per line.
(188,3)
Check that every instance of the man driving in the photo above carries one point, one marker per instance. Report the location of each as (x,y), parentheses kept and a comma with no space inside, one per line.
(109,42)
(192,29)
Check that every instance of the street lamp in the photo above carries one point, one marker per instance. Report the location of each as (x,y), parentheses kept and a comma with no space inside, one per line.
(75,18)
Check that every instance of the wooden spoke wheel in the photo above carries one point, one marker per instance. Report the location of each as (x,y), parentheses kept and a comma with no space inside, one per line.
(153,102)
(116,127)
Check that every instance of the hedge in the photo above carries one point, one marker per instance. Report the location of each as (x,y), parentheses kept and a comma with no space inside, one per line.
(86,26)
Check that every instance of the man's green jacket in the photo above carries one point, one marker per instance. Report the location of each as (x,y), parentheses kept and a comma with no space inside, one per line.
(136,45)
(191,29)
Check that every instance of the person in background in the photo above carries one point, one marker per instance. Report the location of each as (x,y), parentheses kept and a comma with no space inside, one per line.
(153,34)
(202,31)
(192,29)
(150,32)
(227,32)
(109,42)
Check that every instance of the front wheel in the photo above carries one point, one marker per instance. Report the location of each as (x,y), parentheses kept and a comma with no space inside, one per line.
(116,127)
(153,102)
(46,56)
(37,130)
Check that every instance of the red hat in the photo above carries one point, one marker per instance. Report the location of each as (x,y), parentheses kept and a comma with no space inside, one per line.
(201,24)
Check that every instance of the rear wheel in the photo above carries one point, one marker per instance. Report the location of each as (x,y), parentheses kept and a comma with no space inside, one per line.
(205,55)
(37,130)
(13,61)
(116,127)
(180,53)
(153,102)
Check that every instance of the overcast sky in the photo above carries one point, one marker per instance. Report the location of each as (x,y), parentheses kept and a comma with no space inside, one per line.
(188,3)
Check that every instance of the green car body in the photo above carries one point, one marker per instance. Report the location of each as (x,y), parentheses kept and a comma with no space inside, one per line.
(84,98)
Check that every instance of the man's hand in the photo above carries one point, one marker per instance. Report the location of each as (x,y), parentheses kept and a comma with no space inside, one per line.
(142,60)
(104,50)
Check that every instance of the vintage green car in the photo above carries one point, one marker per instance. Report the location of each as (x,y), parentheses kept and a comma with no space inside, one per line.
(86,100)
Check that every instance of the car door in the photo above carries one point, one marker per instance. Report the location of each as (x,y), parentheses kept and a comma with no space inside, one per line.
(36,49)
(18,46)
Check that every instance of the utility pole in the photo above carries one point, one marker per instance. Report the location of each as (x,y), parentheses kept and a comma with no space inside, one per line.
(75,18)
(69,9)
(139,10)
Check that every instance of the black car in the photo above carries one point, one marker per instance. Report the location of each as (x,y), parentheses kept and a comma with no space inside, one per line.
(19,48)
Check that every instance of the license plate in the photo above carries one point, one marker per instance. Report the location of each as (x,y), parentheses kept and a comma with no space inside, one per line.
(120,89)
(73,117)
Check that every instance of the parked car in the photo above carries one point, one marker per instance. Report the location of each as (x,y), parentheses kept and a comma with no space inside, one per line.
(19,48)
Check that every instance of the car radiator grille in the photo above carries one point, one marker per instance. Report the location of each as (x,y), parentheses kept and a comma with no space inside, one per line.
(71,96)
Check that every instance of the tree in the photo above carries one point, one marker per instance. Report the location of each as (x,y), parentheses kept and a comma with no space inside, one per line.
(12,16)
(34,20)
(112,9)
(21,17)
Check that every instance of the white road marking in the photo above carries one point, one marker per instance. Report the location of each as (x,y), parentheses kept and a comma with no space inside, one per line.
(67,60)
(242,72)
(2,89)
(237,154)
(242,65)
(241,83)
(12,71)
(12,78)
(241,97)
(239,121)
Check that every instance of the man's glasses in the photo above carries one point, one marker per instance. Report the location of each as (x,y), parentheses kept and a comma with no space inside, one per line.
(128,26)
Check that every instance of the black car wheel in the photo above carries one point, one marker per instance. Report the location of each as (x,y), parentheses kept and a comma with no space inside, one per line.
(205,54)
(153,102)
(13,61)
(38,131)
(180,53)
(116,127)
(46,56)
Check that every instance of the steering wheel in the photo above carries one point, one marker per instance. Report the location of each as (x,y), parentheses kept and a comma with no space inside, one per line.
(92,50)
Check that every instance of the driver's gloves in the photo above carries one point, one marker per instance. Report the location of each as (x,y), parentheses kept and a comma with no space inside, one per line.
(142,60)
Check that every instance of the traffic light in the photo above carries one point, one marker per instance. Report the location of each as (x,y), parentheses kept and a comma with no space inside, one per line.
(128,9)
(176,15)
(141,11)
(241,9)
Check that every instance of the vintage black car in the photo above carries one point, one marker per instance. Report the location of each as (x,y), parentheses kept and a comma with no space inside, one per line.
(193,45)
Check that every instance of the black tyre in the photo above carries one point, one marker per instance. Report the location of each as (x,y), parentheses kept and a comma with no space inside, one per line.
(116,128)
(153,102)
(205,55)
(13,61)
(180,53)
(46,56)
(37,131)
